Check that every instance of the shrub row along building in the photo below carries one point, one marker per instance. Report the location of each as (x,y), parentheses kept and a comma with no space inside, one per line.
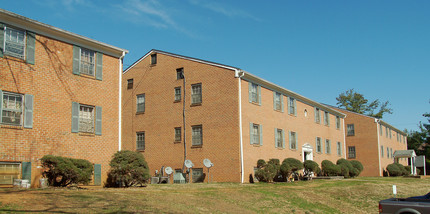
(65,94)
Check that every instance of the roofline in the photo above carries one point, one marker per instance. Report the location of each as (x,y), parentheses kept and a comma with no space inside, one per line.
(14,19)
(250,77)
(181,57)
(374,118)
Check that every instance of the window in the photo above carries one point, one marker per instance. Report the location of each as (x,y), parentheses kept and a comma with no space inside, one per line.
(255,134)
(386,131)
(140,141)
(382,151)
(317,115)
(153,59)
(12,109)
(318,144)
(87,61)
(130,84)
(292,106)
(178,134)
(391,152)
(350,130)
(254,93)
(14,42)
(293,140)
(140,103)
(389,130)
(198,175)
(326,118)
(197,135)
(351,152)
(180,73)
(339,149)
(277,101)
(327,146)
(86,119)
(279,138)
(337,122)
(196,94)
(381,131)
(178,95)
(8,172)
(388,152)
(397,135)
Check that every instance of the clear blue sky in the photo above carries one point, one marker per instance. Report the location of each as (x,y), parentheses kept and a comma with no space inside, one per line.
(315,48)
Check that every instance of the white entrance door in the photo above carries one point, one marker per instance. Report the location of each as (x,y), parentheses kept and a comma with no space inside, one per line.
(307,152)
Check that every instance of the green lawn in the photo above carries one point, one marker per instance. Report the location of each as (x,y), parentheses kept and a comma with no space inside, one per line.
(359,195)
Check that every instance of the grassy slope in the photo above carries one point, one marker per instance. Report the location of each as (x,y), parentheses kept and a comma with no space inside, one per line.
(360,195)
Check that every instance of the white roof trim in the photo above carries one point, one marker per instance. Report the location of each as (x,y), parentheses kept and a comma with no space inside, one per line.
(40,28)
(154,51)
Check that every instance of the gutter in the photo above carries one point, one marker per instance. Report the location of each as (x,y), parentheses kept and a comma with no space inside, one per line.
(344,136)
(239,74)
(378,126)
(120,101)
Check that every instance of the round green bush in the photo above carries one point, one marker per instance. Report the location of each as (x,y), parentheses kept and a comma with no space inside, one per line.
(357,164)
(261,163)
(128,168)
(62,171)
(329,168)
(396,169)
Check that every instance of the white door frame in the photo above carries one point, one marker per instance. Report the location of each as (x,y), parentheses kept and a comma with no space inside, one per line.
(307,148)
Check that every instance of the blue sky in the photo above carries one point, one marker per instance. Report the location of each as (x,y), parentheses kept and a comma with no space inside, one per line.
(315,48)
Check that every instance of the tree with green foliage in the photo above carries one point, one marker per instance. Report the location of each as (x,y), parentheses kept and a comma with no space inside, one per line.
(128,169)
(329,168)
(267,172)
(310,167)
(355,102)
(290,166)
(62,171)
(419,140)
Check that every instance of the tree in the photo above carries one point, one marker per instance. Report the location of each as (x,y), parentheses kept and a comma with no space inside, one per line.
(355,102)
(128,168)
(62,171)
(420,140)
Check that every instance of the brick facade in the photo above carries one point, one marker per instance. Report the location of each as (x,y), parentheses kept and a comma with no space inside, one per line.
(368,141)
(51,82)
(221,114)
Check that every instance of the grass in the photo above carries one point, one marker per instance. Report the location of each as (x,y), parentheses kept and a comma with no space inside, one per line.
(359,195)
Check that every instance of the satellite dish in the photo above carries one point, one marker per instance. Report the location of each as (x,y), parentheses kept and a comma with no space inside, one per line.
(188,164)
(168,170)
(208,163)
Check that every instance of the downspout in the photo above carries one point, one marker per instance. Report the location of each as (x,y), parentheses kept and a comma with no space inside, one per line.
(239,74)
(119,102)
(379,146)
(344,137)
(183,119)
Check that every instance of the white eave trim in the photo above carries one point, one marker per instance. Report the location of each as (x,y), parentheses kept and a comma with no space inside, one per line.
(153,51)
(274,87)
(40,28)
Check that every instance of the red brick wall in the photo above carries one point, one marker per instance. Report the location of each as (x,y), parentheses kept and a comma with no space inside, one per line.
(305,126)
(54,88)
(218,115)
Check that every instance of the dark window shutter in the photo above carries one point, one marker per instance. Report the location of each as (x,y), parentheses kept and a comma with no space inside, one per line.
(276,137)
(75,117)
(1,104)
(97,174)
(261,135)
(76,59)
(250,91)
(251,127)
(28,111)
(1,39)
(99,66)
(31,44)
(26,171)
(98,120)
(283,139)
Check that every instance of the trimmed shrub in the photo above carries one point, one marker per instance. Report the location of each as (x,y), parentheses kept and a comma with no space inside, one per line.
(349,171)
(290,166)
(396,169)
(268,171)
(261,163)
(357,164)
(344,170)
(62,171)
(128,168)
(329,168)
(311,166)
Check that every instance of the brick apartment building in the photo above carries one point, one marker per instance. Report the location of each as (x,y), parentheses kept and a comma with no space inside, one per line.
(59,95)
(372,142)
(231,117)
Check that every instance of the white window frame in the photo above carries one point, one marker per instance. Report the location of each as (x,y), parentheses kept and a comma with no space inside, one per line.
(18,108)
(317,116)
(87,62)
(140,103)
(278,102)
(339,148)
(178,96)
(318,145)
(279,138)
(327,146)
(86,118)
(326,118)
(196,94)
(18,45)
(255,134)
(197,135)
(254,93)
(140,141)
(352,153)
(337,122)
(293,140)
(350,130)
(292,106)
